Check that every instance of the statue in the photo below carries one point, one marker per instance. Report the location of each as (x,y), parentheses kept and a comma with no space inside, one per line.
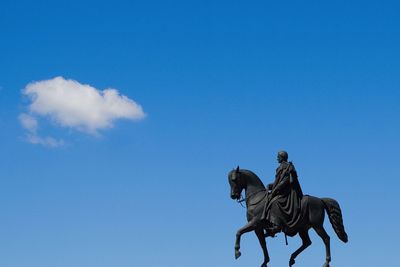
(282,207)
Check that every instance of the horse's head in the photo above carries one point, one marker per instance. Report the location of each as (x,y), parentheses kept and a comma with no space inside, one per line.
(236,183)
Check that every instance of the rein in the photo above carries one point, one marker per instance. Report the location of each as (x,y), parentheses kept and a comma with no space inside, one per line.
(242,199)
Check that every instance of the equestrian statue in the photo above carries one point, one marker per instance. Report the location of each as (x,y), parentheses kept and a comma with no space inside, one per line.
(282,207)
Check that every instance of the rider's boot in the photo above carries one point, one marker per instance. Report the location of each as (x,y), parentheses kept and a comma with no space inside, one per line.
(272,231)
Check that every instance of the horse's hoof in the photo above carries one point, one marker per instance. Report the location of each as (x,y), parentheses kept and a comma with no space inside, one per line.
(326,264)
(291,262)
(237,254)
(264,264)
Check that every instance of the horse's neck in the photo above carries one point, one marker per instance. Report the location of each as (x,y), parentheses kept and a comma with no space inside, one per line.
(253,184)
(253,188)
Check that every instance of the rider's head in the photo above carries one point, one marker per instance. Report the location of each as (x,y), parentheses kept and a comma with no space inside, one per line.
(282,156)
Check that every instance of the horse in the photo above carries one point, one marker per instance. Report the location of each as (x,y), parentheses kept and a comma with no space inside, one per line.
(312,215)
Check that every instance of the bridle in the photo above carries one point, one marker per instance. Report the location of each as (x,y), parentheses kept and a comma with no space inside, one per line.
(245,199)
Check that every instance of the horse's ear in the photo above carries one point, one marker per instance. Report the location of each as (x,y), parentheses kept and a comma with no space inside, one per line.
(237,168)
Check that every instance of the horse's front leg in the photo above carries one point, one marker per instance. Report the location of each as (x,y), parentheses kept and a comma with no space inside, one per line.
(261,238)
(250,226)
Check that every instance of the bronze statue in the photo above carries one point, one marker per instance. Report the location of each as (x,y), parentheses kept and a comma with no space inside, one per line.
(282,207)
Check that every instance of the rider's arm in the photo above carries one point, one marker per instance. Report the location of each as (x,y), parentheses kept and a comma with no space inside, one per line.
(285,181)
(269,186)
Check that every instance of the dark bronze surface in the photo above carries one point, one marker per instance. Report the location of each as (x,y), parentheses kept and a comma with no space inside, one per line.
(281,206)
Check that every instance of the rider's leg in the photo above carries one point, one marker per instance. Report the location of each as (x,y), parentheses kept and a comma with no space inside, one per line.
(274,228)
(274,221)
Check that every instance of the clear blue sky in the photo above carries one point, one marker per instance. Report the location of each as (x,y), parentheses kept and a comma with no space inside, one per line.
(222,83)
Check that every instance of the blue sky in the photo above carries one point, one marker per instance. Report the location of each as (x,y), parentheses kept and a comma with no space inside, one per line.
(222,83)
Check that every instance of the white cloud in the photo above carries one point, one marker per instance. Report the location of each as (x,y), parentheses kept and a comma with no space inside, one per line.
(30,123)
(83,107)
(45,141)
(68,103)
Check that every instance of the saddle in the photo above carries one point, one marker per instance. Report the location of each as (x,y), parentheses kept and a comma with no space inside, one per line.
(290,231)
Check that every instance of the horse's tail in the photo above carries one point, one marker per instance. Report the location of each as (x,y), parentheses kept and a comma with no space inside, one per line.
(335,217)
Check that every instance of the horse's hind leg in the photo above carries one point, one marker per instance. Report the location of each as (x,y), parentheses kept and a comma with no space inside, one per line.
(306,243)
(325,237)
(261,239)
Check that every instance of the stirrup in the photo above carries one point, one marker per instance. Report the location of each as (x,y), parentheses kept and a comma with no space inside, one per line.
(272,231)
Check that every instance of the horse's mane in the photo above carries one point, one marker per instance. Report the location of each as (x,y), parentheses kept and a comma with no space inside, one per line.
(250,173)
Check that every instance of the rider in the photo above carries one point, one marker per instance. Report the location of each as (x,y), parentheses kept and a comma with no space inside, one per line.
(283,209)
